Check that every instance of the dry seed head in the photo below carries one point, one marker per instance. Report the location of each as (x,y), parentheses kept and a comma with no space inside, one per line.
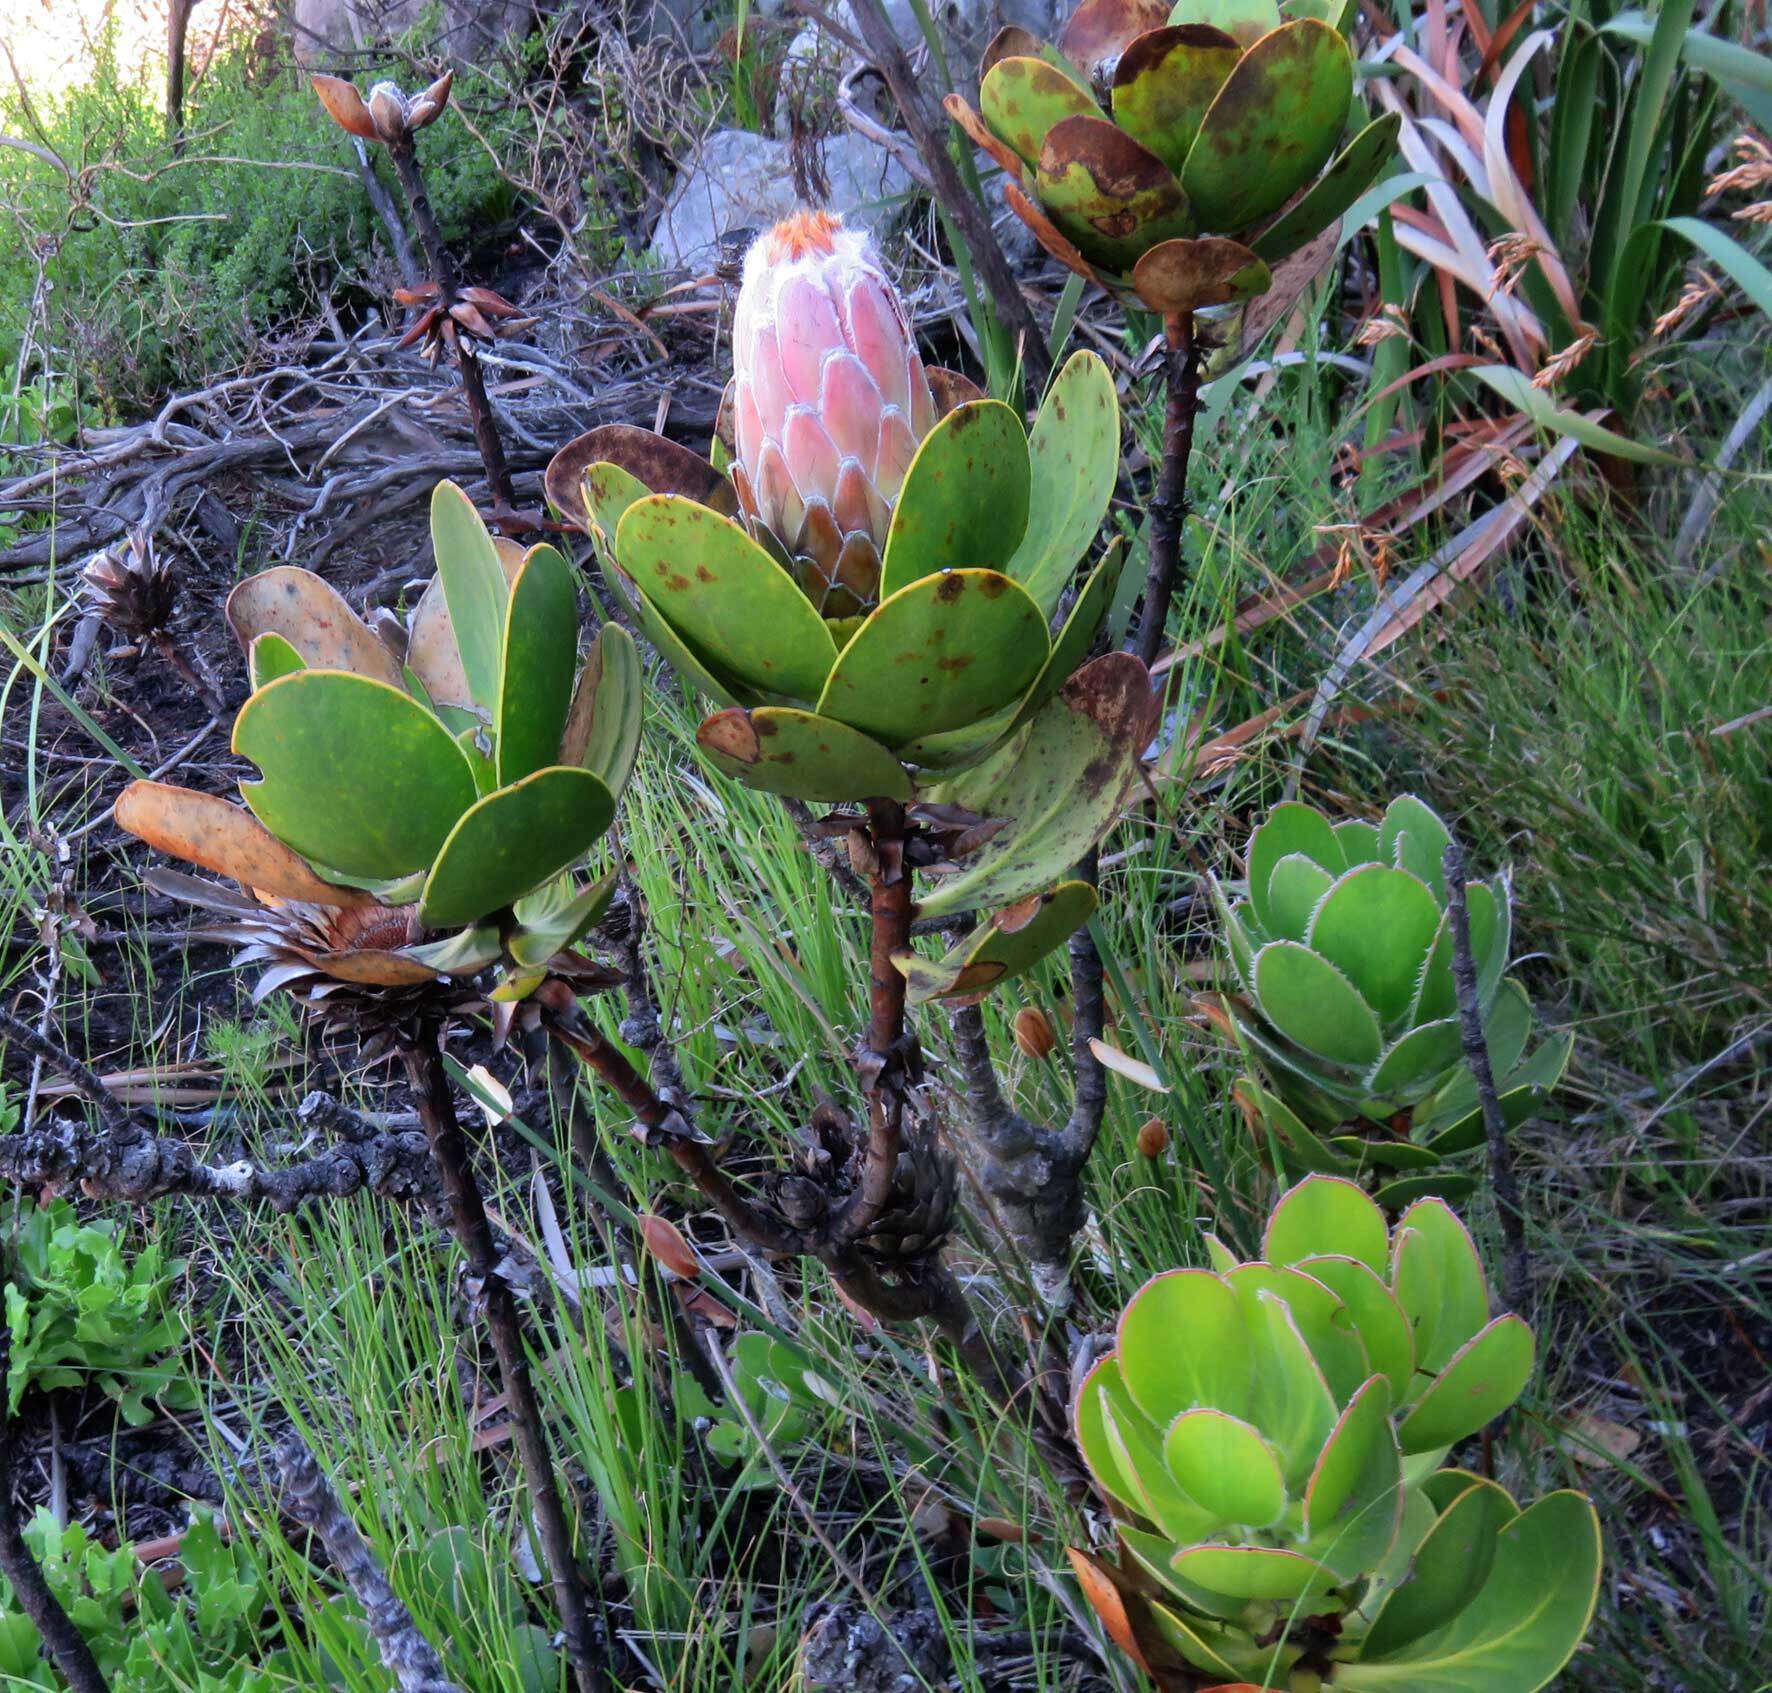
(1153,1137)
(1557,367)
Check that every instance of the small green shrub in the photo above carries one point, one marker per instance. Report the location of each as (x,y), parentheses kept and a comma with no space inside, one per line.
(183,264)
(201,1639)
(82,1309)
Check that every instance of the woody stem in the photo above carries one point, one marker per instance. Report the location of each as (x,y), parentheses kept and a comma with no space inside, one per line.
(1181,374)
(473,1233)
(404,153)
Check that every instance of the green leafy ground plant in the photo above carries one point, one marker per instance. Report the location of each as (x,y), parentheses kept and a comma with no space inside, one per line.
(83,1311)
(1292,1524)
(1345,1002)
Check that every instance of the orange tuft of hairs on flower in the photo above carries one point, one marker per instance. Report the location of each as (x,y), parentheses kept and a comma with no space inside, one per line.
(805,232)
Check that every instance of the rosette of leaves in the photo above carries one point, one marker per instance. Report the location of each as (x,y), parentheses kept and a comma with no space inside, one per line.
(79,1309)
(1272,1433)
(1342,953)
(425,792)
(957,689)
(1176,153)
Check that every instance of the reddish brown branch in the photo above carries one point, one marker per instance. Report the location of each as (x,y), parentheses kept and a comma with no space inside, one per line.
(1181,372)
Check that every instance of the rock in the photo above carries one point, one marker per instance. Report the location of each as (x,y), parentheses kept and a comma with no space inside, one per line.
(465,28)
(739,180)
(847,1651)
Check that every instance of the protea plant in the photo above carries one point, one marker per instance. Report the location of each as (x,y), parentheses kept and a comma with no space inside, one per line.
(1176,152)
(423,802)
(1342,954)
(1270,1434)
(870,594)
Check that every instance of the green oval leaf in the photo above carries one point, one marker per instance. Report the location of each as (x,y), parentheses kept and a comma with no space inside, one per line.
(1226,1464)
(1377,1317)
(965,497)
(1022,98)
(1357,168)
(1254,1572)
(1271,128)
(1291,827)
(1294,891)
(1438,1279)
(1073,459)
(725,596)
(1376,925)
(782,750)
(939,654)
(1451,1564)
(1523,1625)
(1314,1005)
(475,587)
(515,840)
(1166,80)
(357,774)
(602,730)
(1353,1503)
(1485,1376)
(1417,1062)
(535,668)
(1214,1369)
(269,657)
(1323,1214)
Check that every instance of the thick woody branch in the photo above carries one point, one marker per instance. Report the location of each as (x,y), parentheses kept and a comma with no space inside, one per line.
(1032,1175)
(121,1160)
(308,1497)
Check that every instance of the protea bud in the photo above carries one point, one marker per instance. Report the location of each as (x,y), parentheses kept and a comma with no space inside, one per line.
(1033,1032)
(389,110)
(830,400)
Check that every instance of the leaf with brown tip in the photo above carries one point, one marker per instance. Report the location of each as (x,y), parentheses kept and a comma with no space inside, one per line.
(1164,83)
(1101,30)
(1111,195)
(1057,244)
(662,465)
(1182,276)
(314,618)
(210,831)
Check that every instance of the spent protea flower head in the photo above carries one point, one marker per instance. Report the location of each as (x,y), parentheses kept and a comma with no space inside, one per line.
(829,400)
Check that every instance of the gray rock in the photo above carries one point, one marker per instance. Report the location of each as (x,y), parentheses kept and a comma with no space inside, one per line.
(323,28)
(740,180)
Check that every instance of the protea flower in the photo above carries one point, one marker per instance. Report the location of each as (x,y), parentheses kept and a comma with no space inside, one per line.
(878,621)
(1174,152)
(1342,954)
(130,587)
(829,401)
(452,787)
(1271,1433)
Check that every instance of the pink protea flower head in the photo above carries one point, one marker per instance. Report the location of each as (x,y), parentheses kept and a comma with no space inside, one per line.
(829,402)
